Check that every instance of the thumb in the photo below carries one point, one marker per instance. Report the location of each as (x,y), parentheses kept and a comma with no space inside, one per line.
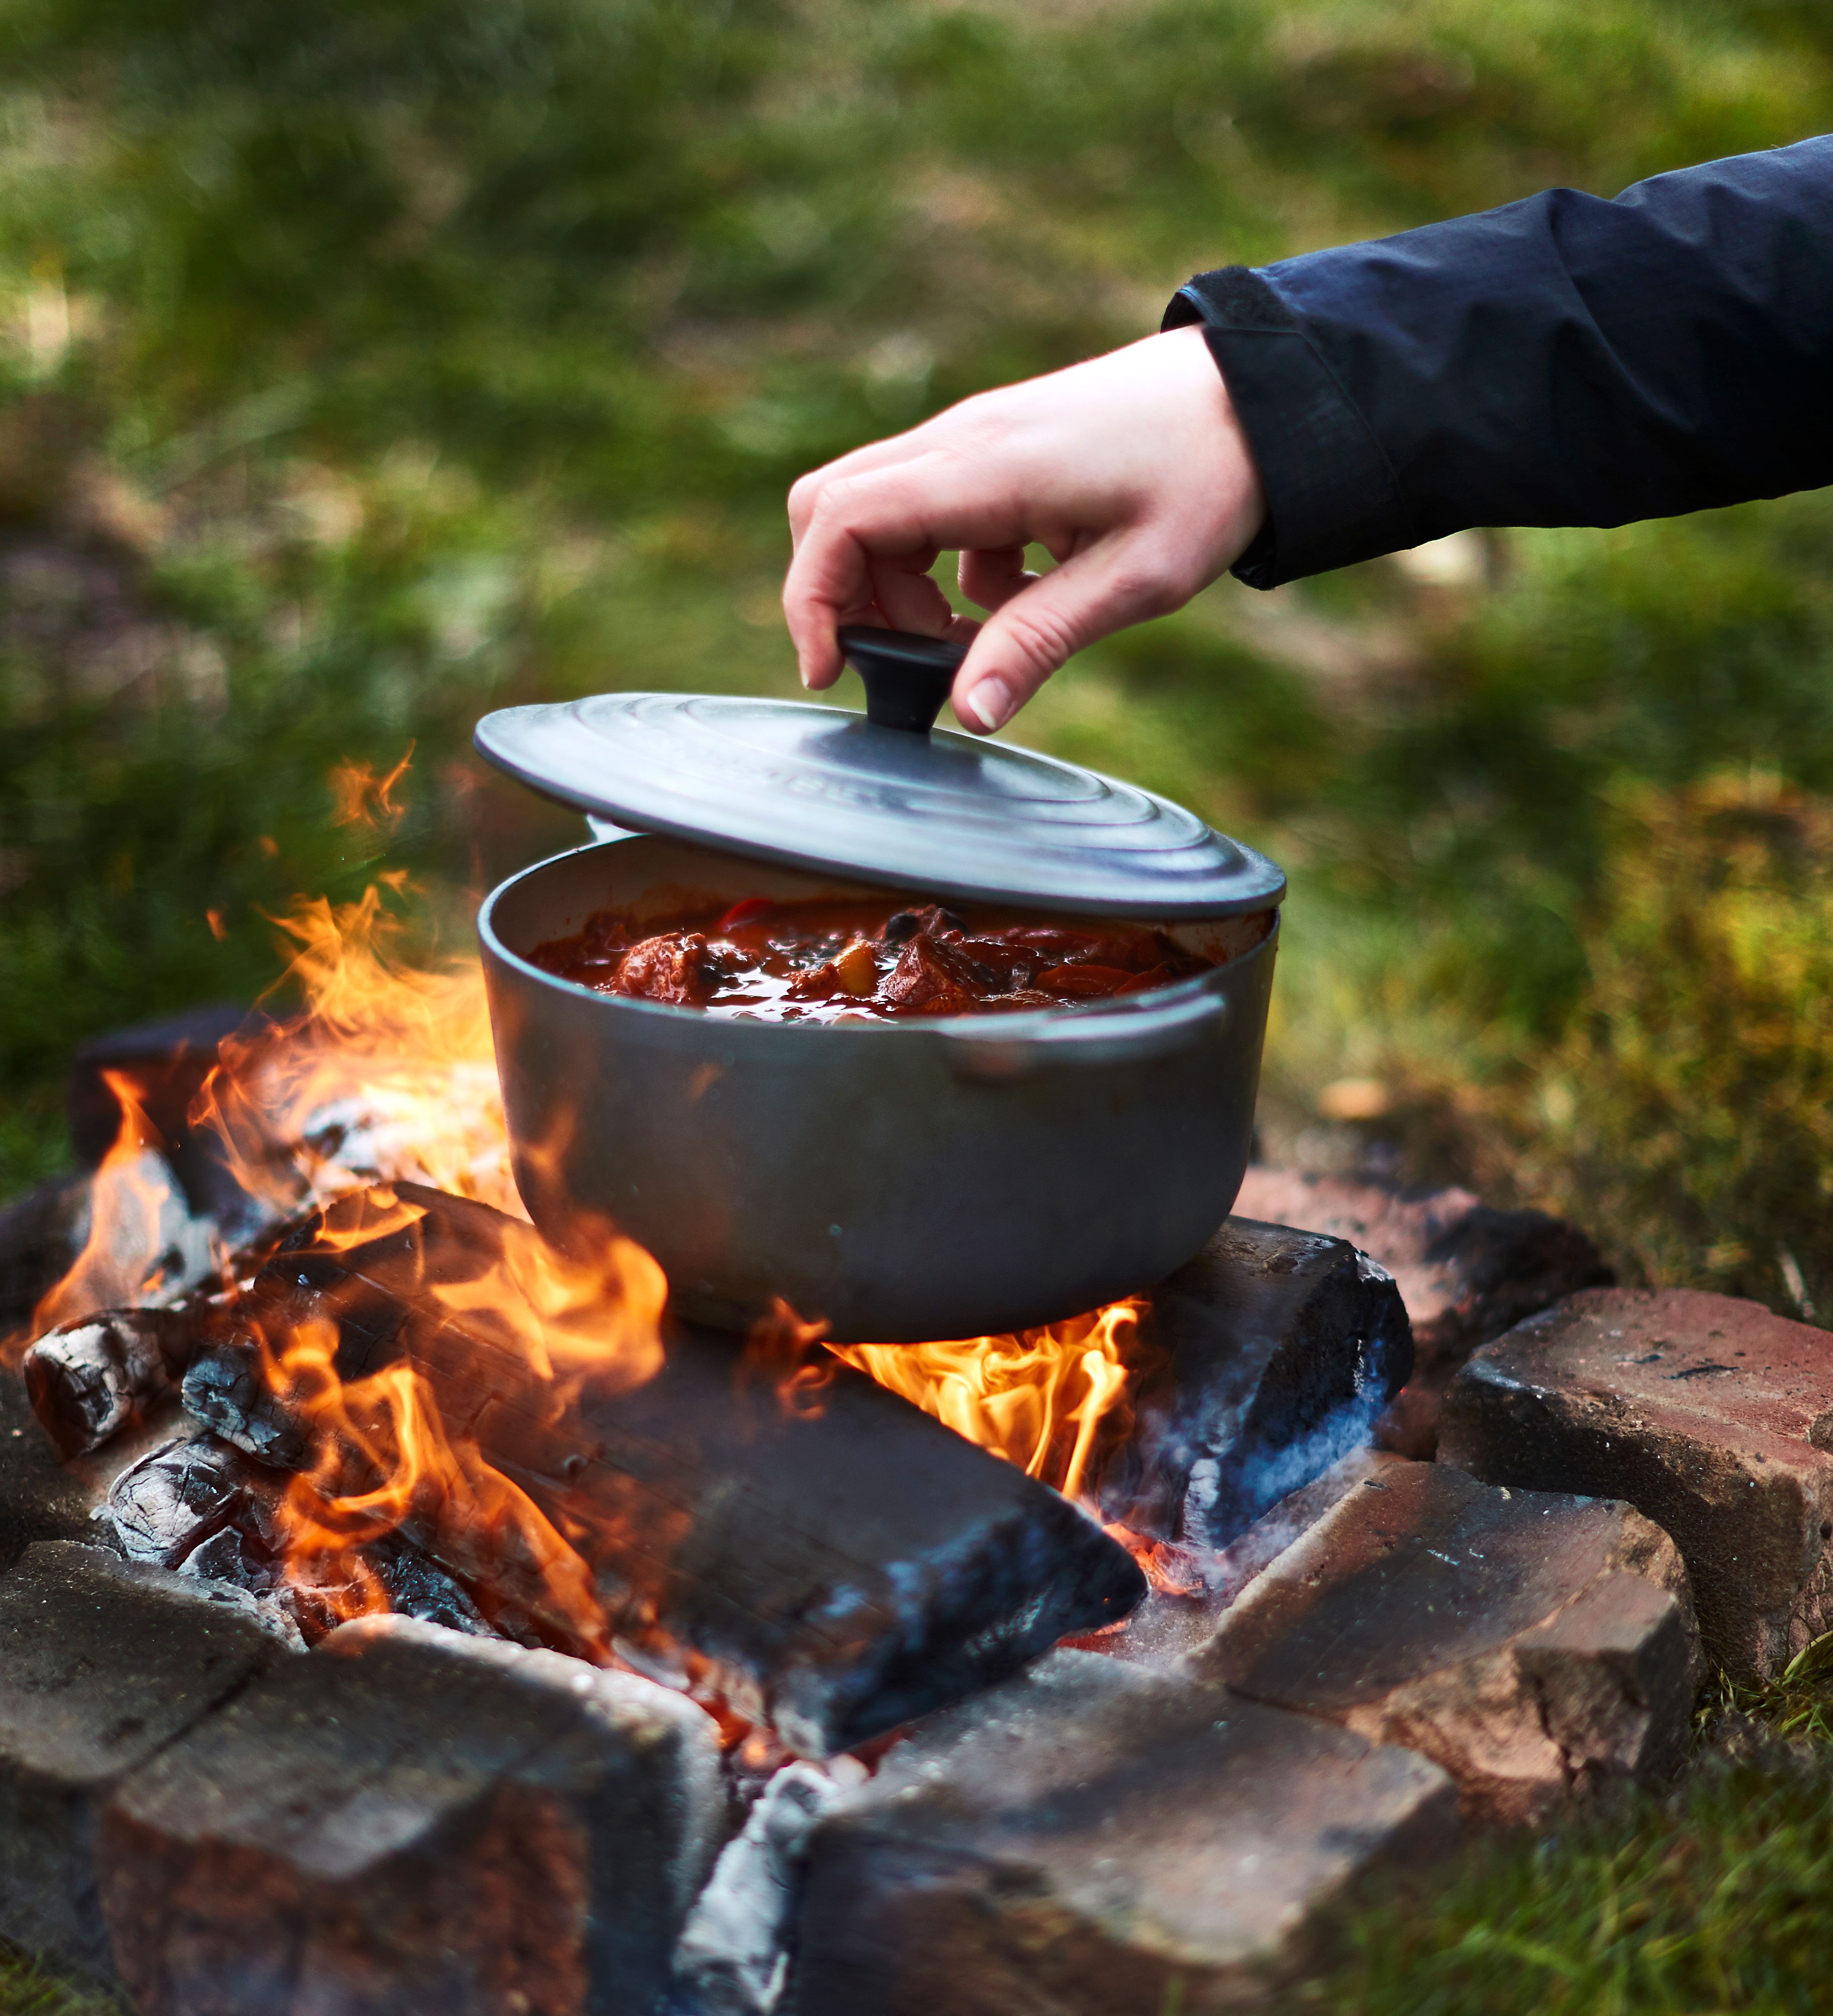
(1092,594)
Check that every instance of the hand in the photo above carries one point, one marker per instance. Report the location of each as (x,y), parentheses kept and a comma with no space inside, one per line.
(1131,470)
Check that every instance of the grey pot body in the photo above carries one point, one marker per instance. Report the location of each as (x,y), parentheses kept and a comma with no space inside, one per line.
(906,1180)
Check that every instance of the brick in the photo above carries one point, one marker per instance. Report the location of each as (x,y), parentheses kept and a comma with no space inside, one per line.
(1181,1612)
(1711,1415)
(1466,1271)
(1094,1838)
(408,1820)
(1534,1645)
(102,1664)
(1280,1350)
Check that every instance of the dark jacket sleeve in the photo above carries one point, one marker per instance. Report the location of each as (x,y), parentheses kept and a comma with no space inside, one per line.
(1562,361)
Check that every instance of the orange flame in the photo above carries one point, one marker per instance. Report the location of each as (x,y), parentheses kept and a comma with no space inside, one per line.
(387,1075)
(384,1461)
(1046,1399)
(361,797)
(123,1252)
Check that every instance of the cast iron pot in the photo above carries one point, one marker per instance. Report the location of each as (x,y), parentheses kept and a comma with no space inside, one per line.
(937,1178)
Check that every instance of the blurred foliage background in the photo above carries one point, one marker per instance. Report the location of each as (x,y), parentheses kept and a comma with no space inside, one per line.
(365,366)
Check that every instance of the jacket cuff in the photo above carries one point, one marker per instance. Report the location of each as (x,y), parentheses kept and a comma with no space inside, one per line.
(1331,496)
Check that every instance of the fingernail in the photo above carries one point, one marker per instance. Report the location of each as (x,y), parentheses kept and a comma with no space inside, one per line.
(991,702)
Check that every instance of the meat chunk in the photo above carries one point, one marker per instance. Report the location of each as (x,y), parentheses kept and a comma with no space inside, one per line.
(678,967)
(936,977)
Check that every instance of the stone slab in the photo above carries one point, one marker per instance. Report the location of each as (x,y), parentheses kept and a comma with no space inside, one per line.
(1466,1271)
(102,1664)
(1093,1839)
(408,1820)
(1711,1415)
(1532,1644)
(1280,1351)
(1195,1587)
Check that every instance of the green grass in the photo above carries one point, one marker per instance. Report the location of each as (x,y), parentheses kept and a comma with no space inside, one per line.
(1712,1899)
(27,1989)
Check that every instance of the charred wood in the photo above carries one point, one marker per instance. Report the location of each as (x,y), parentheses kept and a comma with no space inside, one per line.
(1277,1352)
(206,1510)
(846,1563)
(96,1375)
(90,1379)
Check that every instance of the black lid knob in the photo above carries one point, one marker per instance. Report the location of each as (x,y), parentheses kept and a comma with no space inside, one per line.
(907,676)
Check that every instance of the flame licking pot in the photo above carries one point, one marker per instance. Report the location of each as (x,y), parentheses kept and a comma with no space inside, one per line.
(936,1177)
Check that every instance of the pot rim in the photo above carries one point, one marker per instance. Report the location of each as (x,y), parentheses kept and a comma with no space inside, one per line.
(1130,1013)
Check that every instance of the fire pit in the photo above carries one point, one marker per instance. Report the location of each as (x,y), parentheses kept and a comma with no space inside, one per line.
(421,1613)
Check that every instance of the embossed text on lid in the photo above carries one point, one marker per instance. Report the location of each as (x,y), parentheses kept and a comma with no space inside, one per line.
(819,787)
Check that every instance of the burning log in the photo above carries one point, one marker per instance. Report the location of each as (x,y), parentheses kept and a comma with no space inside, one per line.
(844,1561)
(92,1377)
(1279,1351)
(208,1512)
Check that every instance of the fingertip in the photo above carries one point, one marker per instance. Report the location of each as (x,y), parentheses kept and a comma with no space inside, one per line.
(986,706)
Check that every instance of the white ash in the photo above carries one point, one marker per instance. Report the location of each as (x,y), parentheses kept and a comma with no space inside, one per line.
(733,1958)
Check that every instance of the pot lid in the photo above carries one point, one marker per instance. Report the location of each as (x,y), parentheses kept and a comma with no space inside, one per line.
(884,797)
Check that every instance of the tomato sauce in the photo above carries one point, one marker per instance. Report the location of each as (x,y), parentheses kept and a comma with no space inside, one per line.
(827,962)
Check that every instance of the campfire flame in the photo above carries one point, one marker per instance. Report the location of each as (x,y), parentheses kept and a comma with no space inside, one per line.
(1045,1399)
(386,1073)
(125,1252)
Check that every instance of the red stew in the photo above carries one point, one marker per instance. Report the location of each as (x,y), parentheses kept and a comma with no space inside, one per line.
(820,962)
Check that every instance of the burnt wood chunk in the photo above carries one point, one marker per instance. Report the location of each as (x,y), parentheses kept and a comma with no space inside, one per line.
(1466,1271)
(91,1378)
(1094,1840)
(407,1820)
(102,1664)
(1279,1351)
(1708,1414)
(845,1561)
(1532,1644)
(203,1508)
(42,1498)
(166,1505)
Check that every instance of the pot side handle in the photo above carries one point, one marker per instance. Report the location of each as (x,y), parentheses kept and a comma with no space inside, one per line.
(1129,1032)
